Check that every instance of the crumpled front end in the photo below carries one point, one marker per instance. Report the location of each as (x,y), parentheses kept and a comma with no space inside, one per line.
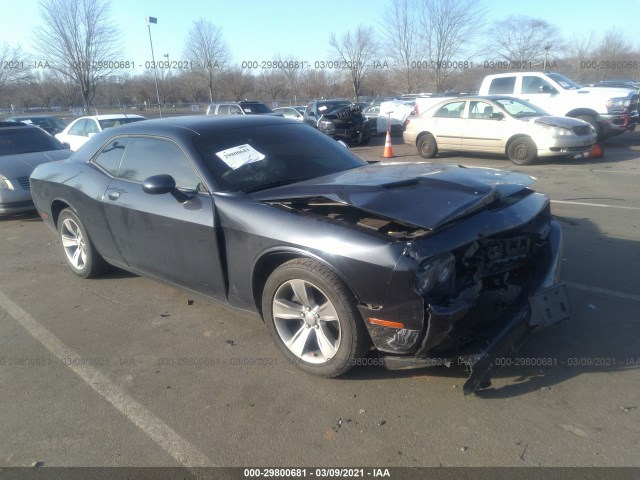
(484,284)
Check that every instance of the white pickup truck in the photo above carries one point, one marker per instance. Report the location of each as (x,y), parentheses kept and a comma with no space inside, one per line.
(611,111)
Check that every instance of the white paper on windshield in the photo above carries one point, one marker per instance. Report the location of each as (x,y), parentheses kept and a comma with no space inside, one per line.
(241,155)
(322,108)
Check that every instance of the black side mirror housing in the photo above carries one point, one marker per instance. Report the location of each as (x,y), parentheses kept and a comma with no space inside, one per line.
(161,184)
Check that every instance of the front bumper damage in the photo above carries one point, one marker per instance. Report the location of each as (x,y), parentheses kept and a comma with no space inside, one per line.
(544,303)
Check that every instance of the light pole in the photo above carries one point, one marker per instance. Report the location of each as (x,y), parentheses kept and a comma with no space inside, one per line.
(546,54)
(166,55)
(154,20)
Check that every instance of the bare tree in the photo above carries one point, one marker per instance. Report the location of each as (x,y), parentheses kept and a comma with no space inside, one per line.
(403,41)
(13,67)
(448,27)
(78,39)
(272,82)
(208,52)
(238,82)
(578,50)
(525,41)
(292,69)
(356,52)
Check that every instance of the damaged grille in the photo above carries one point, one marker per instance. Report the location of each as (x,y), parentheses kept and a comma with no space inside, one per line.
(503,254)
(24,183)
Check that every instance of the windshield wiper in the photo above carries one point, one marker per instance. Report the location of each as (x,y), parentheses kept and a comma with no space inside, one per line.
(277,183)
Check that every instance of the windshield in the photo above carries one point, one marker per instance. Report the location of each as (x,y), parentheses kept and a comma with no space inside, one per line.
(251,159)
(44,122)
(116,122)
(520,108)
(563,81)
(27,140)
(328,107)
(255,108)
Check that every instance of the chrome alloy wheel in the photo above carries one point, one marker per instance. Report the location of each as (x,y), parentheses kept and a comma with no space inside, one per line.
(74,243)
(306,321)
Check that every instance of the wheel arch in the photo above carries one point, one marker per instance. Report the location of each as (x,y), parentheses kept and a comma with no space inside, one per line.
(56,207)
(578,112)
(513,138)
(265,265)
(422,134)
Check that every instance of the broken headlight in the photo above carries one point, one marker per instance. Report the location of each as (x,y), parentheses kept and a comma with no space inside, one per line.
(435,271)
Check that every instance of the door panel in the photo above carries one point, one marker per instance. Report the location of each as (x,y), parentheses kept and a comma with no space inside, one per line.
(160,236)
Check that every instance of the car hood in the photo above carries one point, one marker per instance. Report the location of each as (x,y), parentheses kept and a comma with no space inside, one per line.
(421,194)
(608,92)
(14,166)
(564,122)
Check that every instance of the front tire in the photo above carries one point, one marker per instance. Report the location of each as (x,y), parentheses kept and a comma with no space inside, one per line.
(312,317)
(427,146)
(80,254)
(522,151)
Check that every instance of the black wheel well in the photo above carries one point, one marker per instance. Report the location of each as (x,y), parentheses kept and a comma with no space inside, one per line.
(266,264)
(56,207)
(422,134)
(512,139)
(263,269)
(582,112)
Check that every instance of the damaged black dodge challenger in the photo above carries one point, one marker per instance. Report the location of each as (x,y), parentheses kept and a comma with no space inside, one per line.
(428,263)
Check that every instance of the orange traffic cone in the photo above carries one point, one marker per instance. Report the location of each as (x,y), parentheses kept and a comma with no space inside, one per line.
(596,151)
(388,151)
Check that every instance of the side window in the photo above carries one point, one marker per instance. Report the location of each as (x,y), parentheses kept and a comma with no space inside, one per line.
(92,127)
(451,110)
(310,108)
(110,156)
(235,110)
(223,110)
(481,110)
(502,86)
(532,84)
(144,157)
(78,127)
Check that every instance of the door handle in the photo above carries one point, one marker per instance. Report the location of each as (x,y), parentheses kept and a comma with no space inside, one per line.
(114,195)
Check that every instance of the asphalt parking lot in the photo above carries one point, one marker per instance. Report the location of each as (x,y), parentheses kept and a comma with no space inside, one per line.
(123,371)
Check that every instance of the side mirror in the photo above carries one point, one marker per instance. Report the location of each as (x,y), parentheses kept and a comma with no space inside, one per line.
(91,134)
(496,116)
(66,145)
(311,114)
(161,184)
(546,89)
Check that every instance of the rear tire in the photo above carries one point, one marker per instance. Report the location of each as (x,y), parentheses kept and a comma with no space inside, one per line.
(522,151)
(427,146)
(79,252)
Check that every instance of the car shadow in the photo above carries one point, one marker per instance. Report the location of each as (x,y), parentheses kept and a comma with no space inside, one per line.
(601,336)
(31,216)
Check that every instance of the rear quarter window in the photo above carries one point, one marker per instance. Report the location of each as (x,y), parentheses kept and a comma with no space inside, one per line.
(502,86)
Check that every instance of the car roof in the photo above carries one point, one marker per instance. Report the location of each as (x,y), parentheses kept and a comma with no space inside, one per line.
(9,125)
(113,116)
(200,124)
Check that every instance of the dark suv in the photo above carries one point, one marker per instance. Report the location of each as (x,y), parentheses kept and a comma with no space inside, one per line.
(48,123)
(340,119)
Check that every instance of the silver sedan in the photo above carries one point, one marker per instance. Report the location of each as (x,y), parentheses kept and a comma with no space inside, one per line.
(22,148)
(494,124)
